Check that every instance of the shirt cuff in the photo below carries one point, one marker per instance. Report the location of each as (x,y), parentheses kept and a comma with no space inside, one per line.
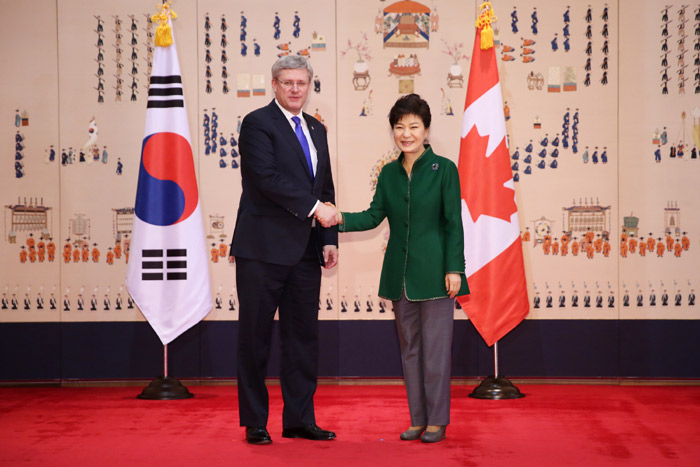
(314,209)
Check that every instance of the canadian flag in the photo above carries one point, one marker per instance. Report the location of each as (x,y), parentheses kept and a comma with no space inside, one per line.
(492,247)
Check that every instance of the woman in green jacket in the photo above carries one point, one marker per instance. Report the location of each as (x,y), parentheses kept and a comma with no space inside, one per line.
(423,266)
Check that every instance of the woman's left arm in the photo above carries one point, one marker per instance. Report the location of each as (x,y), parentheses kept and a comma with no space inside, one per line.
(452,211)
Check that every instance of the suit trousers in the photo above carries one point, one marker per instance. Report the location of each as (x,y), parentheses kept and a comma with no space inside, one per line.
(425,335)
(262,289)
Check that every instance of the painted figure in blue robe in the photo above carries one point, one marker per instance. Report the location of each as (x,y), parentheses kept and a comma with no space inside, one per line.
(276,25)
(534,21)
(297,29)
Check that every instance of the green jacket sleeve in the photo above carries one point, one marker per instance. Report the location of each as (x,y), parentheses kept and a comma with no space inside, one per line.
(368,219)
(454,232)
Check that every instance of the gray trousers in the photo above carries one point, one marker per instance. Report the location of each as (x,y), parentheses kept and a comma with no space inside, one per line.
(425,335)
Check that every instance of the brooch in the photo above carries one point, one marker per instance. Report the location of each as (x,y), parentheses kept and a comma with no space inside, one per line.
(435,166)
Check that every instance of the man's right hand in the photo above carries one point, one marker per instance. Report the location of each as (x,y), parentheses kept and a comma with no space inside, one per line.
(326,215)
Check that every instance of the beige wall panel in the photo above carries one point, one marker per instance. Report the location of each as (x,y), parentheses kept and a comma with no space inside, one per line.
(52,58)
(221,186)
(364,136)
(29,82)
(92,190)
(651,191)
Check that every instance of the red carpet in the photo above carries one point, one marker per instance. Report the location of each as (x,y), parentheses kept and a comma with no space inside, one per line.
(555,425)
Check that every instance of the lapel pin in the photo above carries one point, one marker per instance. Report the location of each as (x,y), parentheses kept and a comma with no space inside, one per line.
(435,166)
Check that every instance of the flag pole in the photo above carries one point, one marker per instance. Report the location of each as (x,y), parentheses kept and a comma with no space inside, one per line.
(165,387)
(164,291)
(496,387)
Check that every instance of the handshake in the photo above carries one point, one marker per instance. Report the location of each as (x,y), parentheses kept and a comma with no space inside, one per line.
(328,215)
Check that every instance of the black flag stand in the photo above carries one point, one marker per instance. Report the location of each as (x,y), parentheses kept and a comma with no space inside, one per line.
(165,387)
(496,387)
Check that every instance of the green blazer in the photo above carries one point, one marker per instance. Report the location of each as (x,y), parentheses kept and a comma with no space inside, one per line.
(426,237)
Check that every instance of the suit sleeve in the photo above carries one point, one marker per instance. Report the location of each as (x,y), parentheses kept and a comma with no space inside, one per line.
(329,236)
(258,159)
(454,231)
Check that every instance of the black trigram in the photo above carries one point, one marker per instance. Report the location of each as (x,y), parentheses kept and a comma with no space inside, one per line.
(156,267)
(165,91)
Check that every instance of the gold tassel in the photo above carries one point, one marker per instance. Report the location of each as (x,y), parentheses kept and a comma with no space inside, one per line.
(483,22)
(486,38)
(164,33)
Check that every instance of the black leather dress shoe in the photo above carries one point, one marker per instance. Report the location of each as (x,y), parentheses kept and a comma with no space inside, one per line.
(257,435)
(312,432)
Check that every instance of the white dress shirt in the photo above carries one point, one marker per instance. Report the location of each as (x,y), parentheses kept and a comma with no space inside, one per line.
(312,149)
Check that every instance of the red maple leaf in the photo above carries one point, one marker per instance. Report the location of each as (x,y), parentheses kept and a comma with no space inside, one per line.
(482,178)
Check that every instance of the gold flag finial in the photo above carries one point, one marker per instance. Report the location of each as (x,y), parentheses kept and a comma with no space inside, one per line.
(164,34)
(483,22)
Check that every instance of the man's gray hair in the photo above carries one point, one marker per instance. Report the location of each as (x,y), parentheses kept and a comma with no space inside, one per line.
(292,62)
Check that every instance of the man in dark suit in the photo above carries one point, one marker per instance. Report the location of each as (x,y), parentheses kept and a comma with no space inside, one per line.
(278,245)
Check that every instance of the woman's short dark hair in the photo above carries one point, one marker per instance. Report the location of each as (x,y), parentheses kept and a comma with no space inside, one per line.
(410,104)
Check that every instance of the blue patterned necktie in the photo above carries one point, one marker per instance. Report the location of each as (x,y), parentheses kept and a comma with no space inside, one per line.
(304,144)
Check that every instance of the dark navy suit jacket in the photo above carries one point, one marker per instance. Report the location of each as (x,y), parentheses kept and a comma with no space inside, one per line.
(278,189)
